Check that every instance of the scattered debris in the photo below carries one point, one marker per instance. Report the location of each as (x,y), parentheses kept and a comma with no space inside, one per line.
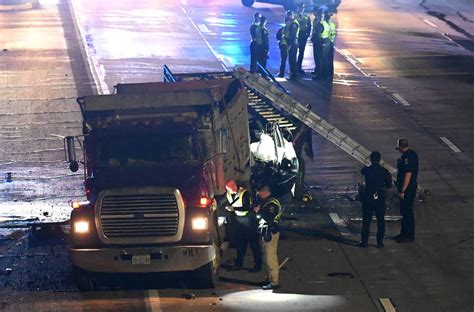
(212,304)
(189,296)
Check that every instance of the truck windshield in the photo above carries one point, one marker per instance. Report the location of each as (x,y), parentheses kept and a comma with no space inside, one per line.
(146,150)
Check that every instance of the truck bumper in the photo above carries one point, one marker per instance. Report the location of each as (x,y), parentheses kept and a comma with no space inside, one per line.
(130,260)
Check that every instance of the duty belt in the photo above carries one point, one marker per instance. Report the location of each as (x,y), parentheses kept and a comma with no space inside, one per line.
(240,213)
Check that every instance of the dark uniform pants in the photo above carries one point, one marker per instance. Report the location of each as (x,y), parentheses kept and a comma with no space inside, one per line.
(325,54)
(253,56)
(408,217)
(292,51)
(246,228)
(262,55)
(301,47)
(368,209)
(330,66)
(317,54)
(283,57)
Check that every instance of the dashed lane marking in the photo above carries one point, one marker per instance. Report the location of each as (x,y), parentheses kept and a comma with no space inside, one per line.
(203,28)
(387,305)
(339,223)
(152,301)
(400,99)
(451,145)
(427,21)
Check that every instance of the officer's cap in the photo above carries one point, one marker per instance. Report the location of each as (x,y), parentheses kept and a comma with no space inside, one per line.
(401,143)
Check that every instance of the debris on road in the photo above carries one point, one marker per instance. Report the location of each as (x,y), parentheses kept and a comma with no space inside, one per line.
(189,296)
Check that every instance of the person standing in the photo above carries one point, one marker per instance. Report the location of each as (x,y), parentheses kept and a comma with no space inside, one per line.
(280,36)
(265,47)
(270,212)
(304,32)
(239,202)
(316,39)
(377,179)
(256,42)
(325,45)
(407,176)
(291,37)
(332,39)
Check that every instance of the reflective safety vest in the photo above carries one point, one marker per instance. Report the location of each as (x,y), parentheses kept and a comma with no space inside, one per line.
(332,31)
(326,31)
(276,202)
(303,22)
(239,203)
(258,33)
(287,32)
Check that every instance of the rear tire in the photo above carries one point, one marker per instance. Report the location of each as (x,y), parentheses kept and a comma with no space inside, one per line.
(83,279)
(248,3)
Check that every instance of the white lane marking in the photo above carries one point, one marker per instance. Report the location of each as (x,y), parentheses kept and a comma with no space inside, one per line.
(387,305)
(226,61)
(427,21)
(98,71)
(152,301)
(339,223)
(353,60)
(451,145)
(203,28)
(400,99)
(204,38)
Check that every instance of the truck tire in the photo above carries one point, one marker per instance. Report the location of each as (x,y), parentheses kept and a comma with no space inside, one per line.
(207,276)
(83,279)
(290,4)
(248,3)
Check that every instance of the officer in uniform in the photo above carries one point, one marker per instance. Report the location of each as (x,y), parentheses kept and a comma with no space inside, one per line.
(270,212)
(239,202)
(291,37)
(305,30)
(327,47)
(407,185)
(332,39)
(377,179)
(280,36)
(317,41)
(256,42)
(265,47)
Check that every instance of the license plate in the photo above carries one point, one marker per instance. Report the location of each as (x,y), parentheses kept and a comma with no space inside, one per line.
(141,259)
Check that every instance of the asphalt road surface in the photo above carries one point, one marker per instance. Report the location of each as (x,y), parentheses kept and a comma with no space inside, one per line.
(402,69)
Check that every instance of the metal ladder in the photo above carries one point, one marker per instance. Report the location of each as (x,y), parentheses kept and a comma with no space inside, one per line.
(270,91)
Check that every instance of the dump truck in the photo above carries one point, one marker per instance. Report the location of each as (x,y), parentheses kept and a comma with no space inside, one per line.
(156,157)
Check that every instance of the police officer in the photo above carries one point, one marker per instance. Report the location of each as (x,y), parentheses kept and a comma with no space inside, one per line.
(291,37)
(305,30)
(280,36)
(407,185)
(239,202)
(377,179)
(332,39)
(256,42)
(265,47)
(327,47)
(317,41)
(270,212)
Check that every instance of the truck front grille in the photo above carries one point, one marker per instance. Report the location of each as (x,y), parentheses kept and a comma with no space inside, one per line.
(140,218)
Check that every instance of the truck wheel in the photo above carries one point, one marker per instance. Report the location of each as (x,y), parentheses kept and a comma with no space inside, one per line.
(248,3)
(289,5)
(83,279)
(207,276)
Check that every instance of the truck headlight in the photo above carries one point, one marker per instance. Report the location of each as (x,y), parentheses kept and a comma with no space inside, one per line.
(81,227)
(199,223)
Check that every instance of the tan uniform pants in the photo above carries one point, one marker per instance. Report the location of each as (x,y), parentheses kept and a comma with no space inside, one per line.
(271,259)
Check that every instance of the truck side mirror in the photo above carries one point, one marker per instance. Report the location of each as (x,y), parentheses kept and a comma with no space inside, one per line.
(70,153)
(223,138)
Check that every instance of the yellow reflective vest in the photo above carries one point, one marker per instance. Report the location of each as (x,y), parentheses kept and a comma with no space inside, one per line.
(326,31)
(332,31)
(239,203)
(275,202)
